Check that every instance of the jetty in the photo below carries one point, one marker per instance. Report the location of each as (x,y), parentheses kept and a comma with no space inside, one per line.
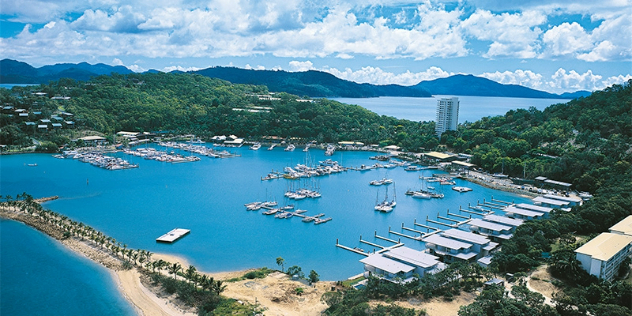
(173,235)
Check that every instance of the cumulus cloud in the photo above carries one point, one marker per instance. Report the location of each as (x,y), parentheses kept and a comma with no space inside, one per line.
(301,65)
(513,35)
(376,75)
(179,68)
(561,81)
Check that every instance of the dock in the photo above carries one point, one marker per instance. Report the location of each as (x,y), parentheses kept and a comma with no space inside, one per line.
(173,235)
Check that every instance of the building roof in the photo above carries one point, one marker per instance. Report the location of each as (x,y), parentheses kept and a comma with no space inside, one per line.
(464,164)
(571,199)
(412,257)
(392,147)
(623,227)
(560,183)
(541,199)
(535,208)
(56,124)
(386,264)
(605,246)
(30,123)
(42,126)
(447,242)
(489,225)
(528,213)
(487,260)
(437,155)
(540,178)
(503,220)
(465,236)
(89,138)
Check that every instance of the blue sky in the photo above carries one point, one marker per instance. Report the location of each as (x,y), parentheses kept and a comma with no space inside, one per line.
(554,45)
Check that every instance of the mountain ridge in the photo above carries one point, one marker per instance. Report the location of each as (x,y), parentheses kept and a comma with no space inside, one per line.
(312,83)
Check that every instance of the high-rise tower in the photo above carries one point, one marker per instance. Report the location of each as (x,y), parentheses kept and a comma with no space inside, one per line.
(447,115)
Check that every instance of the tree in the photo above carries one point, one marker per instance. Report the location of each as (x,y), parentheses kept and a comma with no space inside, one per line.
(313,276)
(295,270)
(190,273)
(280,262)
(174,269)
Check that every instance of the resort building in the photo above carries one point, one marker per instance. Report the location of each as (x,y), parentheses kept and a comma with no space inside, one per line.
(503,220)
(401,264)
(572,200)
(492,230)
(540,200)
(447,115)
(520,213)
(450,250)
(623,227)
(602,255)
(480,244)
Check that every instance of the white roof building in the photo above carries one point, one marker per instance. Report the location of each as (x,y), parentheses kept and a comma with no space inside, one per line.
(490,229)
(624,227)
(602,255)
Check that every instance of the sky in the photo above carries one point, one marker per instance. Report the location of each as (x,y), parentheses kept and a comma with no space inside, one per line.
(550,45)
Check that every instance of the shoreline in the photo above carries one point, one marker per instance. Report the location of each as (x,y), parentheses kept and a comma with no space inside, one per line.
(128,282)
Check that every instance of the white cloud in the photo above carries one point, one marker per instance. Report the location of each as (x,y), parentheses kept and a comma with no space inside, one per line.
(136,68)
(525,78)
(117,62)
(512,35)
(376,75)
(301,65)
(179,68)
(566,39)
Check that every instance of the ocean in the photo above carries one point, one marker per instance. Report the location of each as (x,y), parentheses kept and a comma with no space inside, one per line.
(471,108)
(136,206)
(39,276)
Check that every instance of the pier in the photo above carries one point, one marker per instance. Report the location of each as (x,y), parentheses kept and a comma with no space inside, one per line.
(173,235)
(351,249)
(387,239)
(418,238)
(501,201)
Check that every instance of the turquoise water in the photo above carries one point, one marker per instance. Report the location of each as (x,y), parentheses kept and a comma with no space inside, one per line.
(136,206)
(39,276)
(471,108)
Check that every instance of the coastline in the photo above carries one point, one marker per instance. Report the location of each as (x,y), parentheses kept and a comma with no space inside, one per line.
(273,293)
(144,301)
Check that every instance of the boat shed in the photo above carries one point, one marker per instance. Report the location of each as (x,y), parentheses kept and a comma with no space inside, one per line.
(520,213)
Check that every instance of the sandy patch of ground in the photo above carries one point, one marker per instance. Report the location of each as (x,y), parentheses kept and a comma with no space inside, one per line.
(542,286)
(436,306)
(276,293)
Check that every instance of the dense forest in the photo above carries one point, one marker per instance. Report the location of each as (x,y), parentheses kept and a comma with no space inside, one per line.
(586,142)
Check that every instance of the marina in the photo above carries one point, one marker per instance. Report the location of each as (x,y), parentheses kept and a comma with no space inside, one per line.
(204,195)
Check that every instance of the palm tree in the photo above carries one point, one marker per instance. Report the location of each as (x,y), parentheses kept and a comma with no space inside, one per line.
(174,269)
(218,287)
(203,282)
(280,261)
(190,273)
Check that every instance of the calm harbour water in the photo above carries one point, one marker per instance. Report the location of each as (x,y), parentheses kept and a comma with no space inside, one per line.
(471,108)
(138,205)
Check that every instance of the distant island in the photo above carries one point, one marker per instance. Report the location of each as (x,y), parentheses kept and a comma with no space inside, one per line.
(310,83)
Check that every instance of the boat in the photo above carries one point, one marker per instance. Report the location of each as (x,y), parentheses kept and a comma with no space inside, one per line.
(376,182)
(422,195)
(32,165)
(306,148)
(330,150)
(255,146)
(320,221)
(271,212)
(290,147)
(412,168)
(271,146)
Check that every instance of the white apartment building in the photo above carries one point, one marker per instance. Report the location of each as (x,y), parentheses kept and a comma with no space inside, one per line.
(602,255)
(447,115)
